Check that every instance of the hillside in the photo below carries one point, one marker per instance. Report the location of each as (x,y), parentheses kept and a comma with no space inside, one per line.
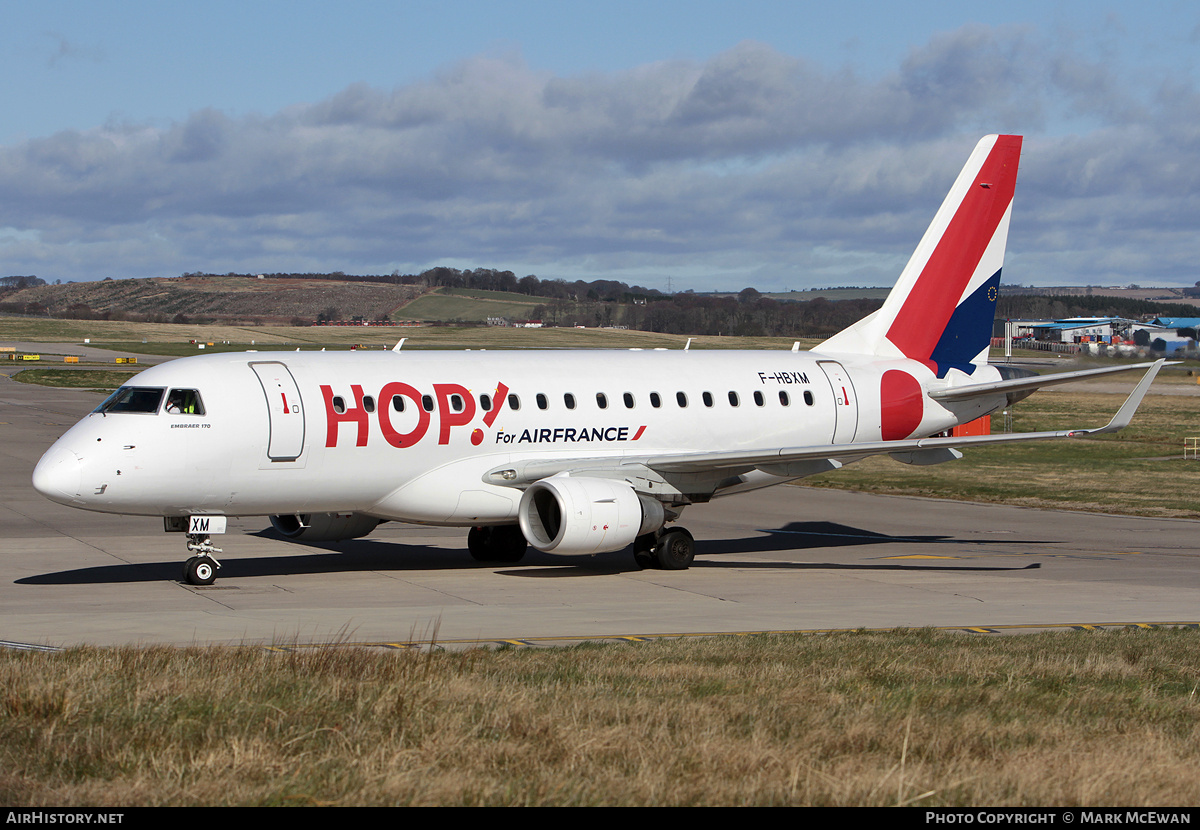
(284,300)
(471,305)
(221,299)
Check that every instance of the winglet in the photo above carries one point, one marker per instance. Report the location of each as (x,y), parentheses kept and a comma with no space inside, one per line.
(399,345)
(1125,413)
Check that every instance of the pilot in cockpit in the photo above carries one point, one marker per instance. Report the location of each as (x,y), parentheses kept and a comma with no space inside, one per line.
(184,402)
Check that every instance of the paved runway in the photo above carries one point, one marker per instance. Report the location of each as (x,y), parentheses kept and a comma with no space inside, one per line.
(783,559)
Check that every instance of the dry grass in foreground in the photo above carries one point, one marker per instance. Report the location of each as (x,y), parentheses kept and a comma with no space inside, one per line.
(907,717)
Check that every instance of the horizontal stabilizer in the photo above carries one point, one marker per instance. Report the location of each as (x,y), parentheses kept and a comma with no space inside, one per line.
(973,390)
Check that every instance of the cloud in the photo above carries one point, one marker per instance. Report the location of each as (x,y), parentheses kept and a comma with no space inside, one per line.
(752,162)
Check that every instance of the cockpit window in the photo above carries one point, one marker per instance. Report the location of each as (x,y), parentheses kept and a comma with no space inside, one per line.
(144,399)
(187,402)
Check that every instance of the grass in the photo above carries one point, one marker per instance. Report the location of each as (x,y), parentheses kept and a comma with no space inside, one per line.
(75,378)
(469,304)
(449,307)
(904,717)
(1138,471)
(130,337)
(185,349)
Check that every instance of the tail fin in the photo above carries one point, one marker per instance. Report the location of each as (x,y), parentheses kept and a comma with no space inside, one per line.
(942,306)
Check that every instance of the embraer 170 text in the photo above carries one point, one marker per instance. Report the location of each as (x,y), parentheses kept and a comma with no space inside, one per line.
(572,452)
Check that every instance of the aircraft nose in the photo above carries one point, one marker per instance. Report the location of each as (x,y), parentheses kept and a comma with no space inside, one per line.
(59,475)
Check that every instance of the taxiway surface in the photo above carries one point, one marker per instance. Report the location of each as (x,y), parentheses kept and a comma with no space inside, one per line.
(783,559)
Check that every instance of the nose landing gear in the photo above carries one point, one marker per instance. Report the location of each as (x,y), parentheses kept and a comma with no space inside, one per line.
(201,569)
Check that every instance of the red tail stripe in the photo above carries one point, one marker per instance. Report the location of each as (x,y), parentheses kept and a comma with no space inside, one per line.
(927,309)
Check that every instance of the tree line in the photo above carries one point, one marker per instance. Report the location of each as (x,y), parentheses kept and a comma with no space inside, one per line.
(612,303)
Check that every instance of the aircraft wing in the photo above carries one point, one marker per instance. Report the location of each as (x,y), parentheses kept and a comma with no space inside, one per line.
(803,461)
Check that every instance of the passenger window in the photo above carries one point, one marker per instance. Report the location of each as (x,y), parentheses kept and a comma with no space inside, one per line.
(569,400)
(808,397)
(368,403)
(708,398)
(628,400)
(602,400)
(681,399)
(514,402)
(141,399)
(758,399)
(783,397)
(485,403)
(427,403)
(542,402)
(733,399)
(339,404)
(184,402)
(456,403)
(398,403)
(655,400)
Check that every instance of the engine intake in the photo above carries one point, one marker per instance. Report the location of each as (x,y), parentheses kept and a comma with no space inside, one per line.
(578,515)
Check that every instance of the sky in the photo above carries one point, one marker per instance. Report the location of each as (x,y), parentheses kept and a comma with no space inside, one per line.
(698,145)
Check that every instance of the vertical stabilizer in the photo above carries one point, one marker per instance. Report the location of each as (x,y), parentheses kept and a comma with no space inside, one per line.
(941,309)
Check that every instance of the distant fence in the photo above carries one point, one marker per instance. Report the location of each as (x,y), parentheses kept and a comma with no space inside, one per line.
(1039,345)
(391,323)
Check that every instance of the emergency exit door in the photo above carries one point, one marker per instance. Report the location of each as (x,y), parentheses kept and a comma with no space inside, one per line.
(285,408)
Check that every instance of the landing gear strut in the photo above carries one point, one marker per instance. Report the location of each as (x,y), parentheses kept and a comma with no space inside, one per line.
(498,543)
(668,550)
(201,569)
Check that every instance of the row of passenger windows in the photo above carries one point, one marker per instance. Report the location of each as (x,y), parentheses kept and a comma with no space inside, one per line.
(399,402)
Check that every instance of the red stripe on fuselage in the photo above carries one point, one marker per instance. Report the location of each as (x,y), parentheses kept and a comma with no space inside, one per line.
(497,402)
(927,308)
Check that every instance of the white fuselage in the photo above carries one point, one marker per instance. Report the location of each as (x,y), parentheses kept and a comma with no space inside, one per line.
(301,432)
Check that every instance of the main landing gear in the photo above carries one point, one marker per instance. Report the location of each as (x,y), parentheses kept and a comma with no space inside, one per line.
(201,569)
(668,550)
(496,543)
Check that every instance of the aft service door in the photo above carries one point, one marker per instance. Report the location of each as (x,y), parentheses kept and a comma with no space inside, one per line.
(286,410)
(846,405)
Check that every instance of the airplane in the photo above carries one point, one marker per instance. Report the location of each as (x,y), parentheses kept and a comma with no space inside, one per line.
(572,452)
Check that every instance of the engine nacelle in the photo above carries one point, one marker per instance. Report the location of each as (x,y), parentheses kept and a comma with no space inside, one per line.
(570,516)
(323,527)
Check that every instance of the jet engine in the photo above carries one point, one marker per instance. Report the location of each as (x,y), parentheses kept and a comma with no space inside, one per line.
(323,527)
(567,515)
